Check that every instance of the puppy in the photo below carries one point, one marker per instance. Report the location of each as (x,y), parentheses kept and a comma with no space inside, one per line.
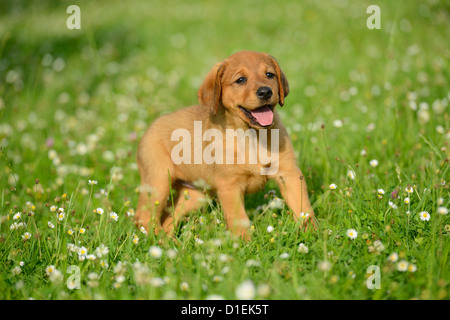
(238,96)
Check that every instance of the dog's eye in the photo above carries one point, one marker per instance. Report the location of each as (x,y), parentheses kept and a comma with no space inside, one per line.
(270,75)
(241,80)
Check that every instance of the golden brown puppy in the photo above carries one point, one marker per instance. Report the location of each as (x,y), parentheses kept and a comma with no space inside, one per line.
(233,140)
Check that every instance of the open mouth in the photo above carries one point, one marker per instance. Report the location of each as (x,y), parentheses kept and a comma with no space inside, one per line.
(262,116)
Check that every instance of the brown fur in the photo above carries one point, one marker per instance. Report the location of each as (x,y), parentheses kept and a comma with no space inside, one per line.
(220,97)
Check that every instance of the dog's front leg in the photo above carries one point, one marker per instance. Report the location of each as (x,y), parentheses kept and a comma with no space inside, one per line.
(232,202)
(295,193)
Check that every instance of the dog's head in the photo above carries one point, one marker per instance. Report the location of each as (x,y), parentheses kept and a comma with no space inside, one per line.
(249,84)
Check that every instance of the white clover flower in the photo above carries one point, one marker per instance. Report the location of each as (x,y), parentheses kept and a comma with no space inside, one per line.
(352,233)
(324,266)
(284,255)
(171,253)
(16,270)
(155,252)
(302,248)
(246,290)
(270,229)
(424,216)
(333,186)
(276,203)
(373,163)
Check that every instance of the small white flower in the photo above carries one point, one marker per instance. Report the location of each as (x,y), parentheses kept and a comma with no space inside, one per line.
(56,277)
(352,234)
(402,266)
(333,186)
(393,257)
(26,236)
(184,286)
(373,163)
(16,270)
(92,182)
(409,189)
(82,251)
(102,251)
(114,216)
(412,267)
(99,211)
(49,270)
(380,191)
(198,241)
(302,248)
(351,174)
(142,229)
(392,205)
(442,210)
(91,257)
(53,208)
(246,290)
(157,282)
(284,255)
(155,252)
(407,200)
(440,201)
(304,215)
(270,229)
(61,216)
(17,215)
(50,225)
(424,216)
(324,266)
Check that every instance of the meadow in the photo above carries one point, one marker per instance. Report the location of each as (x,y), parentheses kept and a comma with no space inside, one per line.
(367,113)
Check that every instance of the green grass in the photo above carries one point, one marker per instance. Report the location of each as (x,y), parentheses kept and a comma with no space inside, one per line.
(74,103)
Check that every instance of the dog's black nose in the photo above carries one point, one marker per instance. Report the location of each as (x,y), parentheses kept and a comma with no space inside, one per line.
(264,93)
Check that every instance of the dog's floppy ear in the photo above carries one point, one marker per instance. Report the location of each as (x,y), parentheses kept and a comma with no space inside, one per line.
(283,85)
(211,90)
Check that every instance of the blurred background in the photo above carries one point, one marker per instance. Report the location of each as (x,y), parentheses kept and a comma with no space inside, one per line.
(73,103)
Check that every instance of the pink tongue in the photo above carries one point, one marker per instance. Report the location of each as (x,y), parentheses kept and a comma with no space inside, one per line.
(263,115)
